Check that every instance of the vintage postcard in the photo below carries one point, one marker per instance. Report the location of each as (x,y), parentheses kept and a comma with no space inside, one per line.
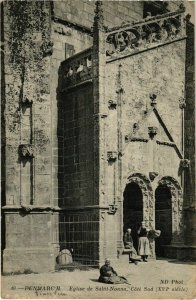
(98,149)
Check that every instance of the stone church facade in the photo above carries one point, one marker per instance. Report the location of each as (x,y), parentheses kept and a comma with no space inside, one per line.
(97,130)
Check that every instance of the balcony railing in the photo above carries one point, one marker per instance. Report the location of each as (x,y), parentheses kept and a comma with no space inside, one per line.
(77,69)
(150,32)
(125,40)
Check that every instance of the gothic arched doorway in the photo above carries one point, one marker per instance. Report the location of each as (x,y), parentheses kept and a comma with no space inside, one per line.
(163,217)
(133,209)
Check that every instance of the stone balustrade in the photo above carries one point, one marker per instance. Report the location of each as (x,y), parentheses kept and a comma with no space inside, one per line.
(148,33)
(77,69)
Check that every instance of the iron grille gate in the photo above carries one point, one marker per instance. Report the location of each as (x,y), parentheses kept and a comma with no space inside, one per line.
(79,234)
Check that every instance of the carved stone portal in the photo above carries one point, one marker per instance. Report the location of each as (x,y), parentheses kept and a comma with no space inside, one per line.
(148,203)
(177,204)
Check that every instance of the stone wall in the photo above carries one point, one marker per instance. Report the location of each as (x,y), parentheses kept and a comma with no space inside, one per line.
(27,88)
(72,11)
(27,113)
(28,238)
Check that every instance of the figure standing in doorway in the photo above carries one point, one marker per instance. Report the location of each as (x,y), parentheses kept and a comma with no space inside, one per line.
(143,247)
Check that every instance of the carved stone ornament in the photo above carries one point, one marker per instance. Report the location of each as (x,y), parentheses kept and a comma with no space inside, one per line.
(112,209)
(182,7)
(152,131)
(136,36)
(27,150)
(26,208)
(120,90)
(112,156)
(47,48)
(61,30)
(184,163)
(98,18)
(182,103)
(112,104)
(153,98)
(188,17)
(26,101)
(135,127)
(27,92)
(153,175)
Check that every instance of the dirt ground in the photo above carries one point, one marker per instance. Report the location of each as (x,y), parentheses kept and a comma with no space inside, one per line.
(160,279)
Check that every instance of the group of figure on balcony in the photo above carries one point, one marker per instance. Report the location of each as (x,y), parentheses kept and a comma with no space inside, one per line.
(78,69)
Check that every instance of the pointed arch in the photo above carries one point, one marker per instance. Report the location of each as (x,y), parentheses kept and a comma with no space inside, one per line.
(148,201)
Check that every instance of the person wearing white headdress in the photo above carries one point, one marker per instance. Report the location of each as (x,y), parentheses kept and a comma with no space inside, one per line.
(143,247)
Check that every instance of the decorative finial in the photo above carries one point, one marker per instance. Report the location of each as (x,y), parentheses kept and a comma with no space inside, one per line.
(152,131)
(184,163)
(153,175)
(165,4)
(149,15)
(188,17)
(98,18)
(153,99)
(182,7)
(182,103)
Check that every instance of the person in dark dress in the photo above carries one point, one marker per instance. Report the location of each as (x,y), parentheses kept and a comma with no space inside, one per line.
(128,243)
(143,247)
(106,272)
(108,275)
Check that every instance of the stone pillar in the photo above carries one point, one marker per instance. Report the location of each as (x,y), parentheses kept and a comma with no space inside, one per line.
(99,110)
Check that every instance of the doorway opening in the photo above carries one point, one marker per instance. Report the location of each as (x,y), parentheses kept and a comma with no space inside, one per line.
(163,218)
(133,209)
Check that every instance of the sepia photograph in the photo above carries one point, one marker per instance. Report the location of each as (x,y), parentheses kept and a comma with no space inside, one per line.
(98,149)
